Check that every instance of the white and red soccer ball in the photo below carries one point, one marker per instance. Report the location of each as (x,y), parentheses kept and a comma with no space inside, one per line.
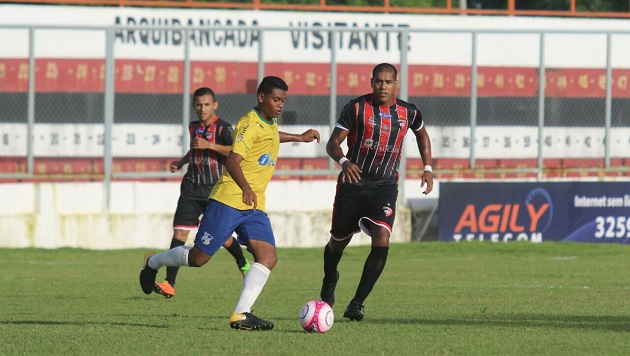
(316,316)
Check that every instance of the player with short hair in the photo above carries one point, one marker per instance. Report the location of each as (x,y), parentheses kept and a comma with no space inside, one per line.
(374,126)
(210,143)
(237,204)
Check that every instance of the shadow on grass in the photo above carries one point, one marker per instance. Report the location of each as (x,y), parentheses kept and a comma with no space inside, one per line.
(78,323)
(578,322)
(585,322)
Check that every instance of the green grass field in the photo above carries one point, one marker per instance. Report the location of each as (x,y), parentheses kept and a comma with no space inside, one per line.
(433,298)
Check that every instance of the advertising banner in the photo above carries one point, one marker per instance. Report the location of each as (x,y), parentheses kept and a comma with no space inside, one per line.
(535,212)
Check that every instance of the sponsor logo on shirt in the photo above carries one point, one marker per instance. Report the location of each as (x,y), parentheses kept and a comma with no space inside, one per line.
(239,138)
(380,148)
(265,160)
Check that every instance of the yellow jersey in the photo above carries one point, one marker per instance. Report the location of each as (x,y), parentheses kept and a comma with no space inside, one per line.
(257,140)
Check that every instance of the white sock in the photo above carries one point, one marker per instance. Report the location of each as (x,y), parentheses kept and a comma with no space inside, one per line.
(253,284)
(177,256)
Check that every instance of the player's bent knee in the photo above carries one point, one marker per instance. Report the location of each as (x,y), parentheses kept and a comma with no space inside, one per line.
(196,258)
(381,240)
(268,261)
(337,246)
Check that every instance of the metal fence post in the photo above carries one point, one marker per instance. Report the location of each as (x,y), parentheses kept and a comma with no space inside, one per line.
(404,95)
(473,99)
(261,58)
(608,117)
(109,115)
(541,105)
(186,96)
(31,101)
(332,106)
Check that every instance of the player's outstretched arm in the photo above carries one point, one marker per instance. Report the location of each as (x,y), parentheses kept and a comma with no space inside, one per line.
(309,135)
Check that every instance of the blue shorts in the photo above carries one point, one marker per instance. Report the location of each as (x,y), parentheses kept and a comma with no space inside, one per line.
(220,221)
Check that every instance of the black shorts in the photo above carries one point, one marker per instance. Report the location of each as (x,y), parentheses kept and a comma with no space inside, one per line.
(193,199)
(355,206)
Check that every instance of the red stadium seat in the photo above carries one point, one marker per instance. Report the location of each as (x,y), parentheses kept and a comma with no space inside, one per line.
(583,163)
(12,165)
(414,168)
(288,164)
(317,164)
(450,163)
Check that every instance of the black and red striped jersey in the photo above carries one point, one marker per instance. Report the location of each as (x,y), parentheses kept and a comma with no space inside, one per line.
(206,166)
(375,140)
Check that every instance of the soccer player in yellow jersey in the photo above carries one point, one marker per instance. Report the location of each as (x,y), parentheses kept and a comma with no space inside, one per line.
(237,204)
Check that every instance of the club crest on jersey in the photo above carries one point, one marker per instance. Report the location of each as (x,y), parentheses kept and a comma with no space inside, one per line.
(368,143)
(210,136)
(388,211)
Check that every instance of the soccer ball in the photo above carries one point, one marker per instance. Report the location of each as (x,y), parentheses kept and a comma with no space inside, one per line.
(316,316)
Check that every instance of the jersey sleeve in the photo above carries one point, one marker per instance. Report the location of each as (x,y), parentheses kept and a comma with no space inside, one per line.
(417,121)
(347,117)
(226,134)
(244,137)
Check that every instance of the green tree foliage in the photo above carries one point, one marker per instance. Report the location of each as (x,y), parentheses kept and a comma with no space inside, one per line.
(580,5)
(405,3)
(422,3)
(554,5)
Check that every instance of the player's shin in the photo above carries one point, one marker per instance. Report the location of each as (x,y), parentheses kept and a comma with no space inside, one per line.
(374,265)
(253,285)
(331,261)
(177,256)
(171,271)
(331,276)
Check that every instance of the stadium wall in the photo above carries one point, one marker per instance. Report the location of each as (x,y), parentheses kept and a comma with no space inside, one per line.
(55,215)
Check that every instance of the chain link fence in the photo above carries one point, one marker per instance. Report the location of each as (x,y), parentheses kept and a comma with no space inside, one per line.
(82,103)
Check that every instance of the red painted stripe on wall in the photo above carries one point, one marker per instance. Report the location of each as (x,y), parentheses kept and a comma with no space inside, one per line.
(166,77)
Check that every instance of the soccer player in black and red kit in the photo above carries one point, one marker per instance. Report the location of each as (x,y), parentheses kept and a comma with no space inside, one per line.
(210,143)
(374,126)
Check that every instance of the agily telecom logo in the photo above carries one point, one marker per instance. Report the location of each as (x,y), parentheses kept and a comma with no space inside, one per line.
(504,222)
